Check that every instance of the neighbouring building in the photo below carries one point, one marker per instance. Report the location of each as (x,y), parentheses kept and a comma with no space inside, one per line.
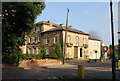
(94,48)
(48,33)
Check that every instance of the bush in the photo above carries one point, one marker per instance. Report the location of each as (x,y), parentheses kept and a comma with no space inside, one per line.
(57,51)
(42,51)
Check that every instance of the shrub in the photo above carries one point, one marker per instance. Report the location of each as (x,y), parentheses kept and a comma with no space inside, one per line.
(30,56)
(42,51)
(57,51)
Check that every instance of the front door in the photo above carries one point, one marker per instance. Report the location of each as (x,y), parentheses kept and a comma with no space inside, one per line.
(75,52)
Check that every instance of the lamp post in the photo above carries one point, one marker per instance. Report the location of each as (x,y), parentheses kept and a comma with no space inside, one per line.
(113,55)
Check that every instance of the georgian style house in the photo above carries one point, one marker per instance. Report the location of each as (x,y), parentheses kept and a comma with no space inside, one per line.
(48,33)
(94,48)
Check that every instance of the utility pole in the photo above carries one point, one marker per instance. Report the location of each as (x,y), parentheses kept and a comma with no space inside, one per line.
(65,37)
(113,55)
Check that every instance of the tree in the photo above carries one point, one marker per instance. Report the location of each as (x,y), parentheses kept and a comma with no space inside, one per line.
(57,51)
(42,52)
(94,34)
(116,51)
(18,20)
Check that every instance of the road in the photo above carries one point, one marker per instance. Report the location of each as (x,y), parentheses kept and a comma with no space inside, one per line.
(68,70)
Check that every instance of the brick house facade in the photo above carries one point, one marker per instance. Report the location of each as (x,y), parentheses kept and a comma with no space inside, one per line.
(48,33)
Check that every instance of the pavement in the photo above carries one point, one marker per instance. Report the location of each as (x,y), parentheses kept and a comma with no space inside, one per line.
(66,71)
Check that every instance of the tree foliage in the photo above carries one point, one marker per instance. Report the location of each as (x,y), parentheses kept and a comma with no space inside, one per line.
(94,34)
(18,20)
(57,51)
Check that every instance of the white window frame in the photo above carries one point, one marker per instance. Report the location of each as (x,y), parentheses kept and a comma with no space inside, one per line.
(84,41)
(90,43)
(38,28)
(30,40)
(47,40)
(33,39)
(91,54)
(47,52)
(77,40)
(68,39)
(35,51)
(55,39)
(34,29)
(30,51)
(38,39)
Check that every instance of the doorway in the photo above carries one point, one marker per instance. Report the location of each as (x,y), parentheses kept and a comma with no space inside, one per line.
(80,52)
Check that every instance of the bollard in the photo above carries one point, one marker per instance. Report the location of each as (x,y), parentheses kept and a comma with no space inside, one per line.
(81,71)
(118,64)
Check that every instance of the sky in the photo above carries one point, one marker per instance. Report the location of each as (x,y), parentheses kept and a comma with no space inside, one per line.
(84,16)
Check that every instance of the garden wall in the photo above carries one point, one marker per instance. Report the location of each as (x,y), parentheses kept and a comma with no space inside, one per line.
(40,62)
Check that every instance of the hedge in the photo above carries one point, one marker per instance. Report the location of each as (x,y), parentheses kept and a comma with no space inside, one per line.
(30,56)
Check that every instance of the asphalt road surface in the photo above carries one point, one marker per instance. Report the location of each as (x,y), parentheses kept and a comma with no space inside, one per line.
(68,70)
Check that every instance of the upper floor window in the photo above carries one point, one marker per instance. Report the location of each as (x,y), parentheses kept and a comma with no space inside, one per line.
(38,39)
(30,40)
(84,41)
(94,44)
(55,39)
(47,40)
(39,29)
(68,39)
(34,29)
(97,45)
(33,39)
(77,40)
(90,44)
(91,53)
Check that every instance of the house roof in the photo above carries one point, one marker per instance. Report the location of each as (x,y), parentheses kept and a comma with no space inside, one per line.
(47,23)
(62,28)
(94,39)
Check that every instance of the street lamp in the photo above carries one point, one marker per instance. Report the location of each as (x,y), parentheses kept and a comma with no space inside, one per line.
(113,55)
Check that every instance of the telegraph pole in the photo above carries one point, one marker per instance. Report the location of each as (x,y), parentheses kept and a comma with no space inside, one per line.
(113,55)
(65,37)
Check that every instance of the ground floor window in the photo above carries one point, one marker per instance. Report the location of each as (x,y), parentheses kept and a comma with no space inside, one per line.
(29,50)
(47,52)
(35,51)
